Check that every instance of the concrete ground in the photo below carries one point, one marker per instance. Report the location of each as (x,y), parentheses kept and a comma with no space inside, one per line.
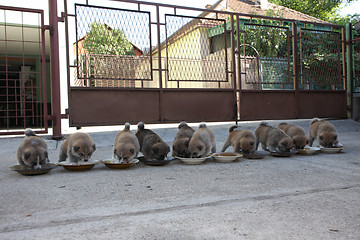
(300,197)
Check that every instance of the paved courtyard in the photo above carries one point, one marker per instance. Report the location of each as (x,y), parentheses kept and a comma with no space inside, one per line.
(299,197)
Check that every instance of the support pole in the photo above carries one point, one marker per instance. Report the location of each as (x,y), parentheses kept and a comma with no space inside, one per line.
(349,68)
(55,70)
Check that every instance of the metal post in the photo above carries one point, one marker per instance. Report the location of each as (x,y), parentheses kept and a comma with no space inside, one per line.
(349,67)
(296,68)
(55,70)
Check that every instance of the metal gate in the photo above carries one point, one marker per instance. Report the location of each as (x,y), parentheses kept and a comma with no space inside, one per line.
(173,63)
(23,88)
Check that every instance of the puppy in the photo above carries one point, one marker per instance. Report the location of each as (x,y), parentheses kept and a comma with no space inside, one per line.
(242,140)
(33,151)
(324,132)
(182,140)
(273,139)
(151,145)
(202,142)
(126,145)
(297,134)
(77,147)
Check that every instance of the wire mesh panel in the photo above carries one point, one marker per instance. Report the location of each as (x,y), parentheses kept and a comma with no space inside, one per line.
(112,46)
(191,53)
(22,71)
(320,59)
(265,53)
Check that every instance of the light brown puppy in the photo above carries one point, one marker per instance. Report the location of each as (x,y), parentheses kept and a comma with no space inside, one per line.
(151,145)
(297,134)
(202,142)
(77,147)
(242,140)
(33,151)
(324,132)
(126,145)
(272,139)
(182,139)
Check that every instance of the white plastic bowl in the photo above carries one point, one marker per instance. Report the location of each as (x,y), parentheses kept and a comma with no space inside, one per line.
(331,150)
(193,161)
(226,157)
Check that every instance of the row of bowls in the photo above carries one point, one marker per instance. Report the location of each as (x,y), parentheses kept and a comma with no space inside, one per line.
(220,157)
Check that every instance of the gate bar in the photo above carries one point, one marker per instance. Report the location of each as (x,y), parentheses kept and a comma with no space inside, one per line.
(296,66)
(55,70)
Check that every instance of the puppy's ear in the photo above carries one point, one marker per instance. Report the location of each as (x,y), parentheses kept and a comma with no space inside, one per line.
(94,147)
(114,151)
(187,143)
(131,150)
(285,143)
(334,137)
(27,155)
(155,150)
(200,147)
(46,154)
(76,148)
(252,143)
(321,138)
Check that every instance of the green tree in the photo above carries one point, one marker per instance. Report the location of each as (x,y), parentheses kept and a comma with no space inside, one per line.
(101,39)
(321,9)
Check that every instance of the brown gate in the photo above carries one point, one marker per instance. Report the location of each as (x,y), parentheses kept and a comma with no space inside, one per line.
(138,61)
(23,91)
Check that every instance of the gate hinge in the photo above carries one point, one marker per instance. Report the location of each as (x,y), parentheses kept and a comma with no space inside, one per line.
(50,28)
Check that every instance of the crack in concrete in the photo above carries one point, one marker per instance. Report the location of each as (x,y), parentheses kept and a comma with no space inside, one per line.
(171,208)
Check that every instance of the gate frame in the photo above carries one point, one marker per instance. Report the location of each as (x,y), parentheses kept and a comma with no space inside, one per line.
(43,66)
(236,78)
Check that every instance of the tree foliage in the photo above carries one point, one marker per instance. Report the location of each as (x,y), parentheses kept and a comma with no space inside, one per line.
(101,39)
(321,9)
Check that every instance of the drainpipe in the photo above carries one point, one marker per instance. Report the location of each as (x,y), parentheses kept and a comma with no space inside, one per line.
(55,70)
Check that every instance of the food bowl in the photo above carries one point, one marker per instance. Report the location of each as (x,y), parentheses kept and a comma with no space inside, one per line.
(154,162)
(83,166)
(331,150)
(31,172)
(309,150)
(117,165)
(284,154)
(226,157)
(255,155)
(193,161)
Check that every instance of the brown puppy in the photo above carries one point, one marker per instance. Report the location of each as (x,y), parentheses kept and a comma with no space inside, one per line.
(202,142)
(272,139)
(126,145)
(151,145)
(324,132)
(77,147)
(242,140)
(297,134)
(33,151)
(182,140)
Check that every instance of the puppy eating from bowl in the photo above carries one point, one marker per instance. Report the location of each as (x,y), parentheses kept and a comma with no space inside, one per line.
(297,134)
(202,142)
(272,138)
(126,145)
(324,132)
(242,140)
(182,139)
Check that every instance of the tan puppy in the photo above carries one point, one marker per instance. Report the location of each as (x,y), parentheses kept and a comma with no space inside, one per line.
(77,147)
(297,134)
(242,140)
(126,145)
(202,142)
(151,145)
(33,151)
(324,132)
(182,140)
(272,139)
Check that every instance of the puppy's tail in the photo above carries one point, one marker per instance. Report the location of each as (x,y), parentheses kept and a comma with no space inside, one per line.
(232,128)
(127,126)
(182,124)
(202,125)
(315,120)
(263,123)
(29,132)
(141,126)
